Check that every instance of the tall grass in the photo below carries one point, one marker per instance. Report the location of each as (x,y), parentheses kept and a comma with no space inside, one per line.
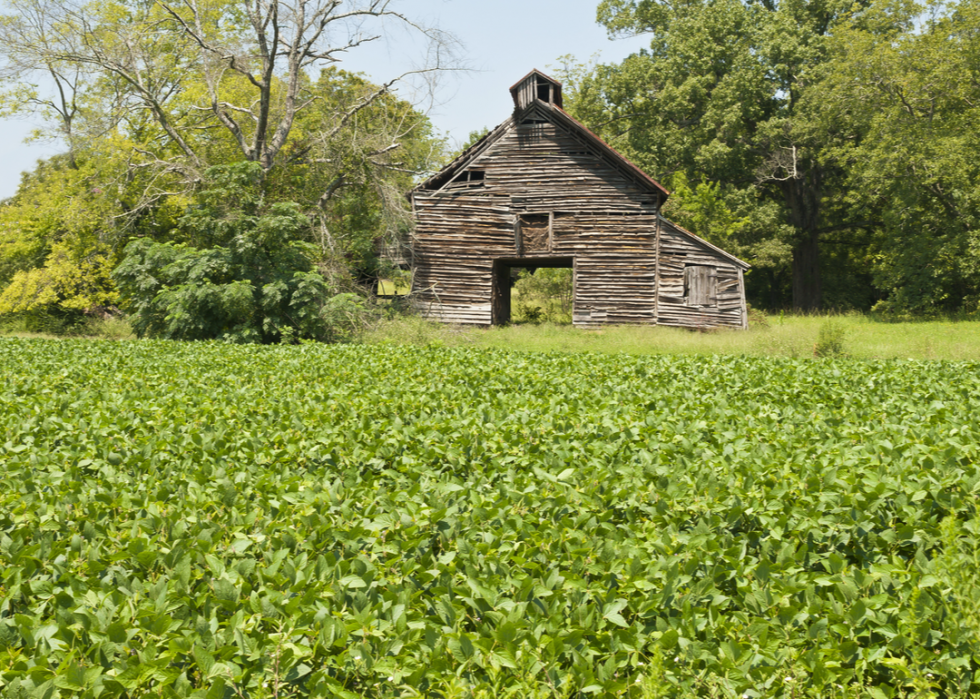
(853,335)
(858,336)
(112,328)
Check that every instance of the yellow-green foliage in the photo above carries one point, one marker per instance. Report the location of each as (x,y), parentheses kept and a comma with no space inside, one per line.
(74,282)
(55,237)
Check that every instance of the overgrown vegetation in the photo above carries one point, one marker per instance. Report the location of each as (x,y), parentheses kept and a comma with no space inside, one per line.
(382,521)
(784,335)
(151,100)
(544,296)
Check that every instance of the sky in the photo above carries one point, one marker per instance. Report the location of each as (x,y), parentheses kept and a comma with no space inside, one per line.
(501,41)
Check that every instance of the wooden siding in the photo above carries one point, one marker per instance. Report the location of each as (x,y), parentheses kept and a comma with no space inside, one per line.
(456,240)
(543,168)
(458,237)
(678,251)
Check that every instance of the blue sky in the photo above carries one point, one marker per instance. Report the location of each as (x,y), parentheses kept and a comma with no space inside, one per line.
(502,40)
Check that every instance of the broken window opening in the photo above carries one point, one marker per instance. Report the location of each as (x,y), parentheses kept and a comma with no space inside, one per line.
(469,178)
(535,233)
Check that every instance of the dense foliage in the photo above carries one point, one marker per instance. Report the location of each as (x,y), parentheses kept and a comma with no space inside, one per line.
(544,295)
(384,521)
(148,97)
(249,278)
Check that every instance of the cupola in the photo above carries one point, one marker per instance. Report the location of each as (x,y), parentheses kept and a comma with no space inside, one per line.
(536,86)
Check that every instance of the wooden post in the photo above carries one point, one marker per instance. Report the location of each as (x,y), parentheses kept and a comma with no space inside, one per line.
(741,290)
(551,231)
(656,273)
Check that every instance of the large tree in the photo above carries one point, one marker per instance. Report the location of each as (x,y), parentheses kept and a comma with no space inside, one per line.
(717,99)
(904,80)
(168,90)
(195,71)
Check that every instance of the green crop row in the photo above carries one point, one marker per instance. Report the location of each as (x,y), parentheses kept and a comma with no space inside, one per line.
(347,521)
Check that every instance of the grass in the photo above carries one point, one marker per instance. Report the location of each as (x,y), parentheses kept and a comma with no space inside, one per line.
(855,335)
(114,328)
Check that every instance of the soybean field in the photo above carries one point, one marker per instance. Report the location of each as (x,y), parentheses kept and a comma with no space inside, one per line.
(219,521)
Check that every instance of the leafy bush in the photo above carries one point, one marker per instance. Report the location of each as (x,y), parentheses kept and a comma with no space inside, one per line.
(205,519)
(545,296)
(250,279)
(830,340)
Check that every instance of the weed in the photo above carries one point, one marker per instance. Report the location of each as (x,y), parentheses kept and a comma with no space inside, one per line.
(830,340)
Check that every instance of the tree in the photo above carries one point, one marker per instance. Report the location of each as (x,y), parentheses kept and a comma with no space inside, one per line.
(58,239)
(904,80)
(168,90)
(242,67)
(248,275)
(193,84)
(717,98)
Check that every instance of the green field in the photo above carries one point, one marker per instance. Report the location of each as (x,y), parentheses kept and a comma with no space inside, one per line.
(391,521)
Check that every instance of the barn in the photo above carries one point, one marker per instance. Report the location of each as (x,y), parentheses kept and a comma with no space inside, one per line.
(541,190)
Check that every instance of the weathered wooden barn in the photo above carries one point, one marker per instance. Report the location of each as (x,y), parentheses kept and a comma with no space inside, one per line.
(541,190)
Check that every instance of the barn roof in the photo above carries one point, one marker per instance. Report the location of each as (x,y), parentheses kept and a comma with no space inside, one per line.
(561,116)
(741,263)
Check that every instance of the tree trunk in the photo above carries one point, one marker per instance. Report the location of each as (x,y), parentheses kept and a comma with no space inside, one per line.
(806,273)
(802,195)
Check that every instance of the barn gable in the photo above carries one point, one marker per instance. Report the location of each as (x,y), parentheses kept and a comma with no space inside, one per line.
(542,190)
(587,169)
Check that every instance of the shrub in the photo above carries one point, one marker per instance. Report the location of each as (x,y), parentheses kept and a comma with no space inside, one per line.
(830,340)
(249,277)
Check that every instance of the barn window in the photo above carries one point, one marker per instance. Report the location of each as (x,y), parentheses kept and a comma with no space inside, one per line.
(470,178)
(700,286)
(535,233)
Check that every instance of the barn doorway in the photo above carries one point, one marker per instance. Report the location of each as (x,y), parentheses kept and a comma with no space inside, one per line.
(505,273)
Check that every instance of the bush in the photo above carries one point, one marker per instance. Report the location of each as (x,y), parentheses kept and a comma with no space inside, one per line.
(830,340)
(251,277)
(544,296)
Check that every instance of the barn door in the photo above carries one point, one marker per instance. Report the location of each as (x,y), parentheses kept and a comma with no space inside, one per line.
(700,285)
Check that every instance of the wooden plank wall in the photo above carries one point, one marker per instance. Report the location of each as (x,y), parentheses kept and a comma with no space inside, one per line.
(615,265)
(678,251)
(459,236)
(456,240)
(545,168)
